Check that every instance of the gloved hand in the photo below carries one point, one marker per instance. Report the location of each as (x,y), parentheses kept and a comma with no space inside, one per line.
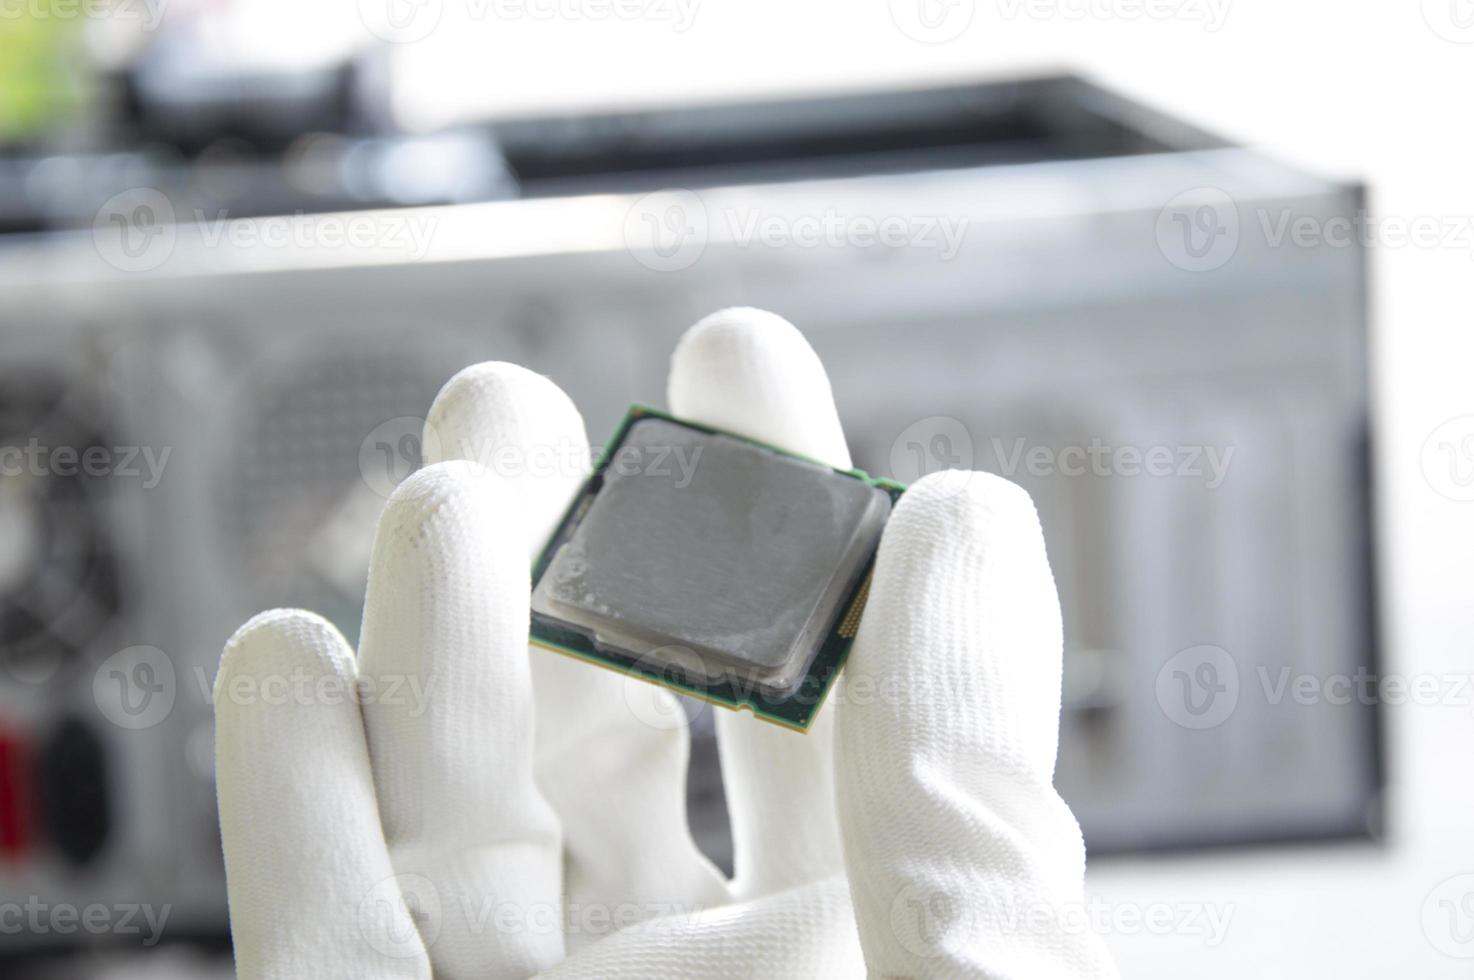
(476,811)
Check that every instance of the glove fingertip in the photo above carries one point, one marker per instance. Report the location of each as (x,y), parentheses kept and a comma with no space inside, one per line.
(753,373)
(486,407)
(283,642)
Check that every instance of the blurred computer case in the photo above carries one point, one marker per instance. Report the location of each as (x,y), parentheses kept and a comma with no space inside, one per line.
(1115,285)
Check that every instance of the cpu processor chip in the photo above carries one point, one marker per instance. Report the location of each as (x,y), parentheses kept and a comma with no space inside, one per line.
(713,564)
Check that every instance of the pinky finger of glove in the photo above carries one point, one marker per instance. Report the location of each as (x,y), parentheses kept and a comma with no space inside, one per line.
(312,892)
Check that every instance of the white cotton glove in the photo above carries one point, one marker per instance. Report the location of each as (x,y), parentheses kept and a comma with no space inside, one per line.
(486,813)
